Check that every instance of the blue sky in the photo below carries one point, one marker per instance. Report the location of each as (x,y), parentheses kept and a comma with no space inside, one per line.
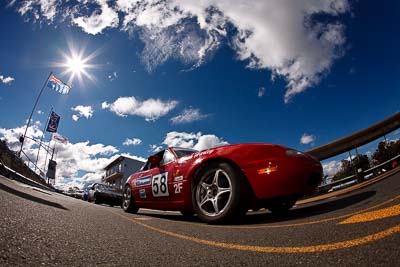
(196,74)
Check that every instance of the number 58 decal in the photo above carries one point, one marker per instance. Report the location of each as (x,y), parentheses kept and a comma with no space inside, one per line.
(159,185)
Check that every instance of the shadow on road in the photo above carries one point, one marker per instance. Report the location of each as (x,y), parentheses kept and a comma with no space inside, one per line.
(266,217)
(30,197)
(309,211)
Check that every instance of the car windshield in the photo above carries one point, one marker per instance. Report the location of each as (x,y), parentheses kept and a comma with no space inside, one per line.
(181,152)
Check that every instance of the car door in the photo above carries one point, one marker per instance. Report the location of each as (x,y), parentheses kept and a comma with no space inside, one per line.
(142,186)
(170,179)
(161,193)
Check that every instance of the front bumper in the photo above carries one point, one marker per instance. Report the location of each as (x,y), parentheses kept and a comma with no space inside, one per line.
(289,175)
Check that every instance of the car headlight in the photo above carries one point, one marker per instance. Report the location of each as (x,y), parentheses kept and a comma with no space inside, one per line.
(293,152)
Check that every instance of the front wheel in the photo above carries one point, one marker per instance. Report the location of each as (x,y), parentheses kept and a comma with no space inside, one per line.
(128,205)
(220,194)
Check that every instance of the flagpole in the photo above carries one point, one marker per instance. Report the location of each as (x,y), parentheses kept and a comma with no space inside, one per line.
(41,138)
(30,117)
(52,154)
(47,154)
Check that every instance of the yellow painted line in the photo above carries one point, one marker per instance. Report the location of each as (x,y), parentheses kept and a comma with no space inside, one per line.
(269,249)
(373,215)
(143,219)
(288,225)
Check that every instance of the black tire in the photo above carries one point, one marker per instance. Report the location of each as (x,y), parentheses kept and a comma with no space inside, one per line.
(96,199)
(187,214)
(282,206)
(128,204)
(220,193)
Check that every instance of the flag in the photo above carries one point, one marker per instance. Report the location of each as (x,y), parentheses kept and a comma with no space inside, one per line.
(60,138)
(58,85)
(53,122)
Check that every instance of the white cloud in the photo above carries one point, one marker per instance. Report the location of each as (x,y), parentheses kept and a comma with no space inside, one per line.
(75,117)
(6,80)
(11,136)
(307,139)
(282,36)
(332,167)
(132,142)
(296,40)
(83,111)
(155,148)
(261,92)
(38,9)
(72,158)
(40,112)
(196,141)
(188,115)
(150,109)
(105,105)
(101,18)
(113,76)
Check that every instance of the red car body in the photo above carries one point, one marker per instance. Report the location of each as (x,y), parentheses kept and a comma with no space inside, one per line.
(270,173)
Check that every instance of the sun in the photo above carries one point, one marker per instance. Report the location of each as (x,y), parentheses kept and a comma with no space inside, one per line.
(76,64)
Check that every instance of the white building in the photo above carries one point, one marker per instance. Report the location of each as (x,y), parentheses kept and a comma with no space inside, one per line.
(119,170)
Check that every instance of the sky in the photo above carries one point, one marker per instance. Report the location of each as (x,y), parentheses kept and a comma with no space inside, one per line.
(150,74)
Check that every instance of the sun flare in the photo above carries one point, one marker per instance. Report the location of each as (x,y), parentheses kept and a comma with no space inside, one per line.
(77,65)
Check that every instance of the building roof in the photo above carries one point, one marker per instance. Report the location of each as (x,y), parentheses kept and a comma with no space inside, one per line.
(121,158)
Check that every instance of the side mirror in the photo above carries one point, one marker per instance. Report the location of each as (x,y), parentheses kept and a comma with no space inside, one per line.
(154,160)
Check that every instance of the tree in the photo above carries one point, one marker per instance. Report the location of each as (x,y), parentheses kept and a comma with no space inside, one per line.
(386,151)
(345,170)
(361,162)
(349,168)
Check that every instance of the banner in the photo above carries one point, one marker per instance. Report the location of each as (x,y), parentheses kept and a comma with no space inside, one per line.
(60,138)
(53,122)
(51,170)
(58,85)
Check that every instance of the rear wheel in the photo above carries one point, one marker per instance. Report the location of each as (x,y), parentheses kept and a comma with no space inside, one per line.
(220,194)
(96,199)
(128,204)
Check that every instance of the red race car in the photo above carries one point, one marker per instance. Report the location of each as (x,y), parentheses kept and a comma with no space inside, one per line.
(222,183)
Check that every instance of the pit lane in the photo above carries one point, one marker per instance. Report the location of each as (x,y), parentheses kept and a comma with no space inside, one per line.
(357,227)
(334,216)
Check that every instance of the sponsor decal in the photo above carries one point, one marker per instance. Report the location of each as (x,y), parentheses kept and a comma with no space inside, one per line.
(142,193)
(203,153)
(178,178)
(143,181)
(178,188)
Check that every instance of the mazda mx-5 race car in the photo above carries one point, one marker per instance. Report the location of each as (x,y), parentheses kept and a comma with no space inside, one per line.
(221,184)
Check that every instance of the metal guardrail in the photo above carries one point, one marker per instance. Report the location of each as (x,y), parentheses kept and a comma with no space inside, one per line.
(356,139)
(355,176)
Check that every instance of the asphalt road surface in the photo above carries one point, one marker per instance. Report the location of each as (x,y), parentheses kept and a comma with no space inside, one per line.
(359,228)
